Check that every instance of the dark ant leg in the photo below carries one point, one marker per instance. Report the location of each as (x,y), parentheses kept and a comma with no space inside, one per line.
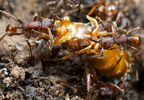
(100,22)
(15,33)
(1,38)
(29,48)
(63,58)
(119,16)
(10,34)
(51,43)
(93,8)
(7,14)
(69,55)
(56,17)
(133,48)
(114,27)
(113,86)
(40,35)
(91,77)
(136,51)
(123,21)
(132,30)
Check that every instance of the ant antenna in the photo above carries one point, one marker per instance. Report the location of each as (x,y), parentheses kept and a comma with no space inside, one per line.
(93,8)
(7,14)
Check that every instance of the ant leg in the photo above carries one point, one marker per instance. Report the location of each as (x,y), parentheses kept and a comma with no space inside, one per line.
(1,38)
(7,14)
(133,48)
(123,20)
(29,48)
(100,55)
(114,27)
(67,56)
(83,50)
(15,33)
(11,34)
(132,30)
(93,8)
(113,86)
(50,42)
(62,39)
(40,35)
(100,22)
(63,58)
(56,17)
(95,31)
(91,77)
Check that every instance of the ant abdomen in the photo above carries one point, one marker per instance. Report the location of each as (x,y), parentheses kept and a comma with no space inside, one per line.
(136,41)
(110,63)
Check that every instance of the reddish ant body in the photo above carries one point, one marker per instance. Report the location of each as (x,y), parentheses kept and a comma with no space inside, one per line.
(108,42)
(44,29)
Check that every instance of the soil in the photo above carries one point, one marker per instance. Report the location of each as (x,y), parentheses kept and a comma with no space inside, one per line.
(18,67)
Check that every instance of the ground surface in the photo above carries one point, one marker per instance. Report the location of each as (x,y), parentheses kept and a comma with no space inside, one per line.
(17,66)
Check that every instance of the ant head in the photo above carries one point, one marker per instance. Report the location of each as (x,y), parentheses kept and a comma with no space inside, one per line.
(11,28)
(136,41)
(111,8)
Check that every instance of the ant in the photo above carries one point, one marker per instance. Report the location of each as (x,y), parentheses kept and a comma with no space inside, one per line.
(98,87)
(109,12)
(108,42)
(43,29)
